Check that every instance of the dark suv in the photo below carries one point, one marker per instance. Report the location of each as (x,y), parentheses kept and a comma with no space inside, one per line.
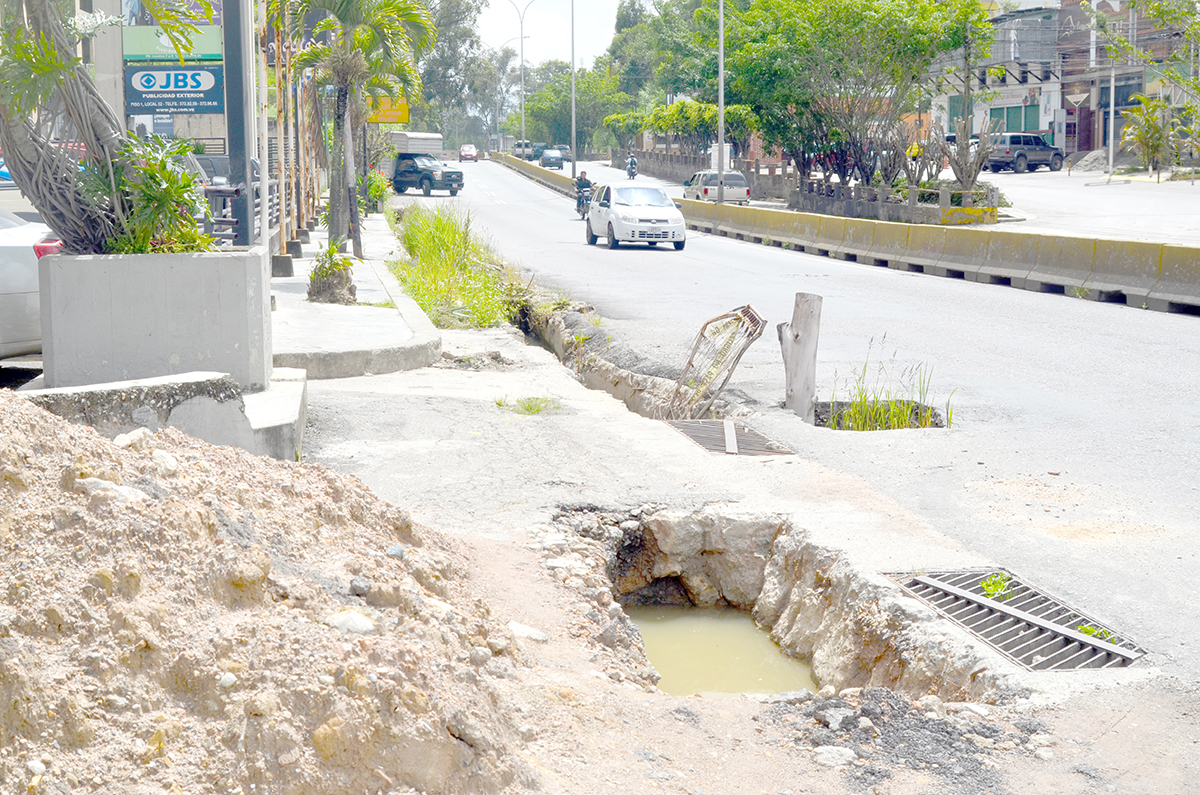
(1023,152)
(427,173)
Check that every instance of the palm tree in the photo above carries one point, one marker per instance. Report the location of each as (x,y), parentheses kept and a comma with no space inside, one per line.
(1149,132)
(368,42)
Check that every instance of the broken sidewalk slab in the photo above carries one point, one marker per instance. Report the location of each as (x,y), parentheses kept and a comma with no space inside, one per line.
(207,405)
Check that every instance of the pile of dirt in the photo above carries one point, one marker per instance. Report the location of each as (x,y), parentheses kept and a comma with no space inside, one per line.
(183,618)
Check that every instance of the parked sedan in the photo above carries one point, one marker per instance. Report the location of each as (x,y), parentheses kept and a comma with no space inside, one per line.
(468,152)
(21,243)
(551,158)
(634,214)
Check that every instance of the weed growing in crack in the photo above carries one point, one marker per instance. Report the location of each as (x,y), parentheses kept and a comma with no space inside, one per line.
(997,586)
(1099,633)
(529,405)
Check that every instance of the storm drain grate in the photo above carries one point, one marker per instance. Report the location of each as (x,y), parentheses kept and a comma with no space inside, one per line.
(1030,628)
(727,436)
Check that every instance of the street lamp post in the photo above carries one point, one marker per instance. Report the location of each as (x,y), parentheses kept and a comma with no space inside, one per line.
(574,151)
(500,95)
(521,18)
(720,101)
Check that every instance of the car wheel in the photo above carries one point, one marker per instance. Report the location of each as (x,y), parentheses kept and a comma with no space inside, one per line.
(426,187)
(612,238)
(1020,165)
(679,245)
(453,191)
(591,238)
(399,188)
(996,168)
(1056,163)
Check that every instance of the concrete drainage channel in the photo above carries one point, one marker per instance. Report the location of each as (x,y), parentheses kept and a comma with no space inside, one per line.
(855,628)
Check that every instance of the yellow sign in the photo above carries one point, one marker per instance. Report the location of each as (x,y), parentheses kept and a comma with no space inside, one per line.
(389,112)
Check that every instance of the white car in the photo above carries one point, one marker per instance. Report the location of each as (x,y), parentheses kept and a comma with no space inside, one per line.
(634,214)
(20,312)
(702,187)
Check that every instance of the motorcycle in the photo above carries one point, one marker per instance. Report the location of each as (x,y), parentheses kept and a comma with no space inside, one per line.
(583,198)
(631,169)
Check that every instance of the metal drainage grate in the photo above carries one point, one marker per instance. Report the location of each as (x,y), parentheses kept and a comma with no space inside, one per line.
(727,436)
(1030,628)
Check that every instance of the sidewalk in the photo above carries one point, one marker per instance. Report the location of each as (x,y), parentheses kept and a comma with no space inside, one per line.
(385,333)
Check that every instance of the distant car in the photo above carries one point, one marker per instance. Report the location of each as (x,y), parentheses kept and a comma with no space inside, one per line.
(538,148)
(634,214)
(425,172)
(523,149)
(703,187)
(1024,152)
(468,152)
(565,151)
(22,242)
(551,158)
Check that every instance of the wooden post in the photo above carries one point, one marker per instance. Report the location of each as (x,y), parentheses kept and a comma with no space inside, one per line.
(798,341)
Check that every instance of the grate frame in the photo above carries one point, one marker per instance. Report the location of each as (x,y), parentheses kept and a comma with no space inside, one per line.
(730,437)
(1029,627)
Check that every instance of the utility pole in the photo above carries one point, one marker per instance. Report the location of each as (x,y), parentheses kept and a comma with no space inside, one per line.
(521,19)
(720,101)
(574,151)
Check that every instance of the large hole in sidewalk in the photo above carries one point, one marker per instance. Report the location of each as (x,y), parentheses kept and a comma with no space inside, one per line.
(855,628)
(715,652)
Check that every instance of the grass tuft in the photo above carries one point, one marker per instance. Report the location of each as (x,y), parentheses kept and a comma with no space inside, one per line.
(874,406)
(529,405)
(456,278)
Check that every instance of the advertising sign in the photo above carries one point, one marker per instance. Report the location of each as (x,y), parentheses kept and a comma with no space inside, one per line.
(149,43)
(387,111)
(174,88)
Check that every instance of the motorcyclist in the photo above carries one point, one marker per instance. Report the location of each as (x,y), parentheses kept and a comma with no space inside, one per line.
(631,165)
(581,184)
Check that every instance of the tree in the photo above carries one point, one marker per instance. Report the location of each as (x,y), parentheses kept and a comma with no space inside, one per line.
(445,67)
(369,41)
(1149,131)
(596,97)
(45,90)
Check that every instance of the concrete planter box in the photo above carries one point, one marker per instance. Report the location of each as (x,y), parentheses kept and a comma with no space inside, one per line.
(121,317)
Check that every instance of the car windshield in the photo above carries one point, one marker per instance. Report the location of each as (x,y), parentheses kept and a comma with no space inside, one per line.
(732,179)
(426,161)
(643,197)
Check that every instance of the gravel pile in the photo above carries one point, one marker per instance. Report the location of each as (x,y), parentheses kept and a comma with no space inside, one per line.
(181,618)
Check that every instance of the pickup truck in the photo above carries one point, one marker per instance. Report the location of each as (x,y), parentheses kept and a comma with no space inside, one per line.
(427,173)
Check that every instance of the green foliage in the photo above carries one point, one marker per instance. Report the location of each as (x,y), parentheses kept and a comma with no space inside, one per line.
(874,406)
(31,69)
(450,273)
(330,261)
(997,586)
(164,199)
(1149,131)
(378,186)
(1100,633)
(529,405)
(596,97)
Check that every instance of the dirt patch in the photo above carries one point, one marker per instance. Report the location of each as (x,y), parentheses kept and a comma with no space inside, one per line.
(179,617)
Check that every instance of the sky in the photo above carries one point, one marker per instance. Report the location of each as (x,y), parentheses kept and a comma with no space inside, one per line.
(548,28)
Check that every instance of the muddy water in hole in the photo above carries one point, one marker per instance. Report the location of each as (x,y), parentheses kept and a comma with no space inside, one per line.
(715,652)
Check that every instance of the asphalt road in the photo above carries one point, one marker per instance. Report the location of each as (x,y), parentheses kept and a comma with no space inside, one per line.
(1076,440)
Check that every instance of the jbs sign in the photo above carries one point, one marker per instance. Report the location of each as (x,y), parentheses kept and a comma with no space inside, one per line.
(174,89)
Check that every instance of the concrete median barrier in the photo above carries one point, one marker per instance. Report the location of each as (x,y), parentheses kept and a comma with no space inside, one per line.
(857,240)
(830,232)
(700,216)
(1178,287)
(889,245)
(1124,271)
(963,253)
(1063,264)
(1010,258)
(924,250)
